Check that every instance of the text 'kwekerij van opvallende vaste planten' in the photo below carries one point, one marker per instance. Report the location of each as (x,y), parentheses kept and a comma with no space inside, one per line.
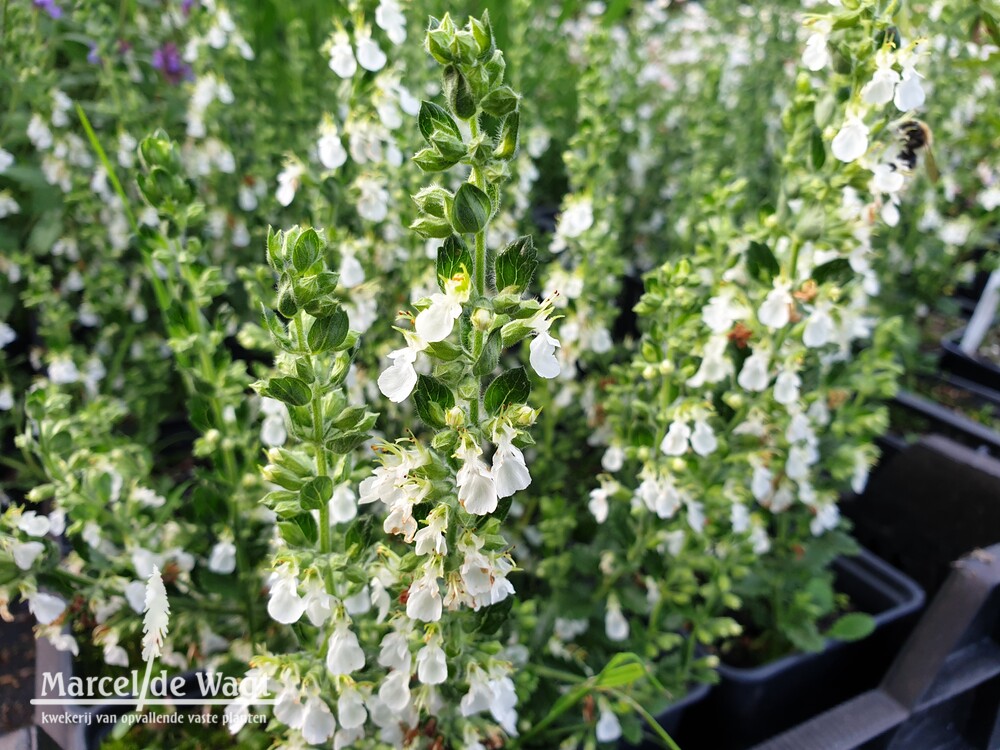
(382,379)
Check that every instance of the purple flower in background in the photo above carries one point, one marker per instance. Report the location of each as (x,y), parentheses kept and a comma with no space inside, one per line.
(187,5)
(49,6)
(167,60)
(93,57)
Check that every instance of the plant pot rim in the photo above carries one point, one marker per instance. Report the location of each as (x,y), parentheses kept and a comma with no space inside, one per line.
(865,565)
(951,344)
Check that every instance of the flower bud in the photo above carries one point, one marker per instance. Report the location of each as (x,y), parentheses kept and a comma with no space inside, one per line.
(454,417)
(482,319)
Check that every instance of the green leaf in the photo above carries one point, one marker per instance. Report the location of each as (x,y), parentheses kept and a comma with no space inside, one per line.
(761,262)
(316,493)
(301,531)
(432,398)
(500,102)
(490,356)
(434,117)
(329,332)
(289,390)
(507,138)
(471,209)
(515,266)
(818,148)
(452,257)
(306,251)
(431,227)
(345,442)
(490,619)
(430,160)
(838,268)
(512,387)
(444,350)
(459,93)
(852,627)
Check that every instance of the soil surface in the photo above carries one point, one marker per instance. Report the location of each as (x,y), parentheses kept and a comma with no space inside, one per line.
(17,670)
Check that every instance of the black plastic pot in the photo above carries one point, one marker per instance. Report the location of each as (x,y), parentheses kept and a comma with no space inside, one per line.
(749,705)
(671,717)
(928,506)
(938,419)
(978,370)
(943,690)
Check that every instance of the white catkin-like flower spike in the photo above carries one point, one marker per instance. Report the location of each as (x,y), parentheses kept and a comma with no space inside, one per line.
(157,616)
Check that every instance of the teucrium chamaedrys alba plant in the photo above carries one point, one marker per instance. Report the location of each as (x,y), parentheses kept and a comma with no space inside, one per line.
(429,598)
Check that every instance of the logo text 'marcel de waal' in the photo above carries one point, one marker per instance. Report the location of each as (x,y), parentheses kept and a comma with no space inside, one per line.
(205,685)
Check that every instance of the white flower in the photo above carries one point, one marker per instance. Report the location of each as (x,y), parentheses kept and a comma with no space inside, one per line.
(395,690)
(394,650)
(222,559)
(288,707)
(318,724)
(391,20)
(598,504)
(370,55)
(431,539)
(675,442)
(432,665)
(613,459)
(775,312)
(542,355)
(577,218)
(25,553)
(762,483)
(288,183)
(826,519)
(754,375)
(62,371)
(285,605)
(477,490)
(373,202)
(715,365)
(7,335)
(45,607)
(615,625)
(33,524)
(398,380)
(722,311)
(909,93)
(435,323)
(859,480)
(114,654)
(819,328)
(135,595)
(703,440)
(816,56)
(6,160)
(886,179)
(343,504)
(157,617)
(851,142)
(147,497)
(332,153)
(318,603)
(878,91)
(509,470)
(424,600)
(351,708)
(6,398)
(352,272)
(608,728)
(342,60)
(344,655)
(8,206)
(38,133)
(786,387)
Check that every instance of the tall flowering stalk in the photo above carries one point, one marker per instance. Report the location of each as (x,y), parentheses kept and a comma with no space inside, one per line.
(426,596)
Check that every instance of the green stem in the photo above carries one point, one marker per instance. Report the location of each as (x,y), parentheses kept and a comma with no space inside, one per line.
(322,469)
(660,732)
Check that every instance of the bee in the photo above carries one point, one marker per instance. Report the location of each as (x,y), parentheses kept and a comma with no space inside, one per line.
(916,136)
